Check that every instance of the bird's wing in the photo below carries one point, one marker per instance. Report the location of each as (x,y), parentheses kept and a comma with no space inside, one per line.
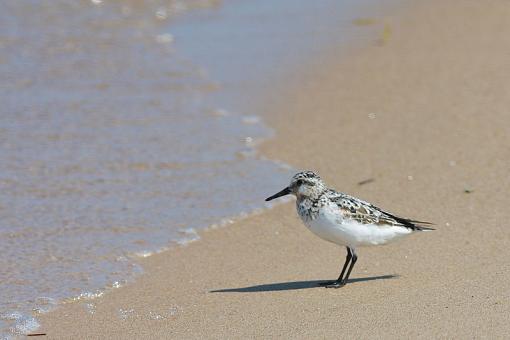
(365,213)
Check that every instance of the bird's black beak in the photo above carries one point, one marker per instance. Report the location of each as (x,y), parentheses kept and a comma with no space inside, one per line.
(284,192)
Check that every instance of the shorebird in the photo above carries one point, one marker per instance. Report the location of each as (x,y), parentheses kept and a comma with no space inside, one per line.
(344,220)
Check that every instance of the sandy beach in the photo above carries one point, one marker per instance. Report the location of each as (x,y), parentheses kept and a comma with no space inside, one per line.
(423,111)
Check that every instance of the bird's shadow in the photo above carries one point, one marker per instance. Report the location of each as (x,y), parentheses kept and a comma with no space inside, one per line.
(293,285)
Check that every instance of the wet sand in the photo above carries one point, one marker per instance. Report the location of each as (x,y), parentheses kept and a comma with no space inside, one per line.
(424,112)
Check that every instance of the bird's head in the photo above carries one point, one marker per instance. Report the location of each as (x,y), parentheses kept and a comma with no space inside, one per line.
(304,184)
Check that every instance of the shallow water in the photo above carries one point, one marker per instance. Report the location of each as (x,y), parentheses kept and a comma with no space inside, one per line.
(125,126)
(109,148)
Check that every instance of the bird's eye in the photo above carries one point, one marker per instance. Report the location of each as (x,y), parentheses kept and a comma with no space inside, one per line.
(299,182)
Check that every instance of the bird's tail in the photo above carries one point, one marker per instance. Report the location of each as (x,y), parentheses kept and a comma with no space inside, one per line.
(412,224)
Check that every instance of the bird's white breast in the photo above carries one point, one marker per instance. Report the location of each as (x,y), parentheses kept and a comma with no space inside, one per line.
(329,224)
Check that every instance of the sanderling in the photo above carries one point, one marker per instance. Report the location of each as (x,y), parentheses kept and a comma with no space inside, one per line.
(344,220)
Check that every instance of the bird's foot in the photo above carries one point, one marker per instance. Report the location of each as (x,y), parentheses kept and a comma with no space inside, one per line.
(332,284)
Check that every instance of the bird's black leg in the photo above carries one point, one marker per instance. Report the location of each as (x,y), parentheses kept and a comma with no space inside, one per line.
(338,282)
(354,259)
(347,259)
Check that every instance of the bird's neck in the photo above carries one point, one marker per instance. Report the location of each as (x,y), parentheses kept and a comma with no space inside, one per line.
(308,207)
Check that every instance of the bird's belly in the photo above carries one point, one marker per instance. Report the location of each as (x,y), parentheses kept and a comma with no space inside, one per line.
(352,233)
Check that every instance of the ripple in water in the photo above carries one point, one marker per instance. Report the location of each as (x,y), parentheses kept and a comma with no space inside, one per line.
(109,147)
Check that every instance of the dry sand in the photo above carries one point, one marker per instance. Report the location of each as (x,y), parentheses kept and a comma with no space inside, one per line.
(425,111)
